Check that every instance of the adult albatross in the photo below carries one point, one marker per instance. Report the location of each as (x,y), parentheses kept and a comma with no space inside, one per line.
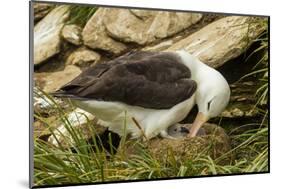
(143,93)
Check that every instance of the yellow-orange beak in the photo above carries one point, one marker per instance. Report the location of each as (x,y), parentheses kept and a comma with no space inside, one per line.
(198,122)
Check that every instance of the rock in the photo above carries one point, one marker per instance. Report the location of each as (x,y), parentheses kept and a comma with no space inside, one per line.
(42,105)
(108,26)
(214,144)
(242,101)
(94,35)
(41,100)
(236,112)
(50,82)
(83,57)
(42,128)
(221,40)
(143,27)
(81,122)
(164,44)
(41,10)
(46,106)
(47,39)
(160,46)
(72,34)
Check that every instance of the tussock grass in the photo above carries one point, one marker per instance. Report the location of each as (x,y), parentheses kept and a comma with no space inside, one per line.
(86,163)
(261,68)
(81,14)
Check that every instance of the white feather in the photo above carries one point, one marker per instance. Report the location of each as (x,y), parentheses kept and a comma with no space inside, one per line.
(152,121)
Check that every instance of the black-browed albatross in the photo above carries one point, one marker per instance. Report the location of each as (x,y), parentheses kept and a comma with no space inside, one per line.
(147,92)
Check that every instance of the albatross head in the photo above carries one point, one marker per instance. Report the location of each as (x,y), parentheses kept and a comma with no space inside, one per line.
(211,101)
(212,97)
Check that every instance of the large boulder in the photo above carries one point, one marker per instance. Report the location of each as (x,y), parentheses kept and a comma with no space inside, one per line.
(166,43)
(95,36)
(109,26)
(47,38)
(221,40)
(143,27)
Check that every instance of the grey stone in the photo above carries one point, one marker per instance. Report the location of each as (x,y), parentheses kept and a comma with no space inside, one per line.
(47,38)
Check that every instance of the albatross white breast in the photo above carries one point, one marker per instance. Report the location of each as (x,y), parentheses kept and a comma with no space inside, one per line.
(143,93)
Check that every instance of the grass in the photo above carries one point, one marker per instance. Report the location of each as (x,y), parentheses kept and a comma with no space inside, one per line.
(81,14)
(89,164)
(261,68)
(54,165)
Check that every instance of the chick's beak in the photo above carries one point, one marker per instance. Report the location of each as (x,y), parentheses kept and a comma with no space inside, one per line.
(198,122)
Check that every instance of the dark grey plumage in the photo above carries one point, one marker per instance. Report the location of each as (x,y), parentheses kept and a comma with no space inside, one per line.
(182,130)
(148,79)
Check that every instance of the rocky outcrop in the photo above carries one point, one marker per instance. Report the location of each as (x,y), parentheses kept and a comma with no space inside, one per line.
(51,81)
(95,36)
(83,57)
(143,27)
(41,10)
(112,25)
(72,34)
(47,38)
(221,40)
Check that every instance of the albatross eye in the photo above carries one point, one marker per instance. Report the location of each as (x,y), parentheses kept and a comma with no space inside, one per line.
(209,104)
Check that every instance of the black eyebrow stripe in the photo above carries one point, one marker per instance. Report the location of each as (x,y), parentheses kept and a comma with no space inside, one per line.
(209,103)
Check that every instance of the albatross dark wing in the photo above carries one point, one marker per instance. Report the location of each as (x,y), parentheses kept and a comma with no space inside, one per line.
(150,80)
